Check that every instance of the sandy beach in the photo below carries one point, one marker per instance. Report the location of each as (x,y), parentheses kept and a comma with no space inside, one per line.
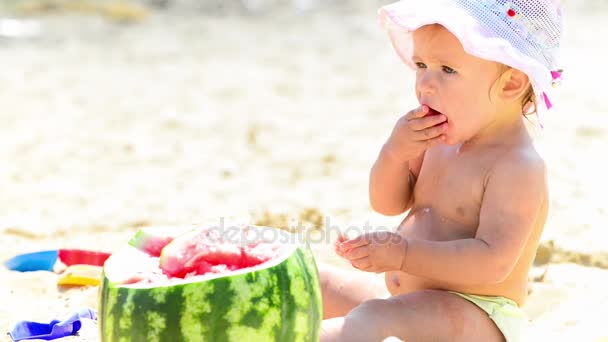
(187,114)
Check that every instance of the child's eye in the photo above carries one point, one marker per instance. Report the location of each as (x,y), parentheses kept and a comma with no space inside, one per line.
(421,65)
(448,70)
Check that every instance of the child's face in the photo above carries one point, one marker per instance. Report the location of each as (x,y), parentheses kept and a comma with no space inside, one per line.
(454,83)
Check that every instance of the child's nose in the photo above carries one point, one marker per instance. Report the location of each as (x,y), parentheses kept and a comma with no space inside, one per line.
(426,84)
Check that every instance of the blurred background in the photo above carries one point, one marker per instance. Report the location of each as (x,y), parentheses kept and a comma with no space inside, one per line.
(119,114)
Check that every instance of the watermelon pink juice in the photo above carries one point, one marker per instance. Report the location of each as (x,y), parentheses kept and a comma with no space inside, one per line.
(201,253)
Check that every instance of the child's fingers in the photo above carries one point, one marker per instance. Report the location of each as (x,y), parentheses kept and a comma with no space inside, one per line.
(426,122)
(430,133)
(339,251)
(341,238)
(417,113)
(359,241)
(356,253)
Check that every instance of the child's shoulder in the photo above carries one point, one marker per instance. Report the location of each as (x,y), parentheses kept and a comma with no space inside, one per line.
(521,167)
(524,156)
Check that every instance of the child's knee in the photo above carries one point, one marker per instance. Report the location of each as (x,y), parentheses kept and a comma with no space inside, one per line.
(367,321)
(399,316)
(372,307)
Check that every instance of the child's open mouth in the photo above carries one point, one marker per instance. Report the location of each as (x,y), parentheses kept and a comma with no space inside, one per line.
(436,112)
(433,112)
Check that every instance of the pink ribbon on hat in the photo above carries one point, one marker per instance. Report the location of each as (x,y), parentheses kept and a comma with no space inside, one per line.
(547,101)
(556,75)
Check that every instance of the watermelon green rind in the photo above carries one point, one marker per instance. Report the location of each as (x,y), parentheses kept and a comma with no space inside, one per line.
(276,301)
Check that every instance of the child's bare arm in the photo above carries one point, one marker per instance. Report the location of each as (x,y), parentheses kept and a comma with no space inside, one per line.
(392,177)
(514,199)
(391,184)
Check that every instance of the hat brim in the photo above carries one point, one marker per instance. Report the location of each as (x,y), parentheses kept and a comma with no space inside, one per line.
(401,19)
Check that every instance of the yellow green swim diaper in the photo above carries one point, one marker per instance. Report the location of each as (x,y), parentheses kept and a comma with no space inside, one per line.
(505,313)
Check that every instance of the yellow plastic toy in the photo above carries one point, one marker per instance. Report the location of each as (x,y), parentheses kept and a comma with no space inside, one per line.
(80,275)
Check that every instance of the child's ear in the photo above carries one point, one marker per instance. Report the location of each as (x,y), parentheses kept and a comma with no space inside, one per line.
(515,85)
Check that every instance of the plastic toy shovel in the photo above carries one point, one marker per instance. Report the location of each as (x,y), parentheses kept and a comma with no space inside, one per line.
(45,260)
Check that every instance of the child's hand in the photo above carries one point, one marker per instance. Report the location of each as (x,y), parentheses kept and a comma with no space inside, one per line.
(341,238)
(374,252)
(415,132)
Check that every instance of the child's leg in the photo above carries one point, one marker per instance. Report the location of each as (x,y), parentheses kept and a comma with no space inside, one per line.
(343,290)
(429,315)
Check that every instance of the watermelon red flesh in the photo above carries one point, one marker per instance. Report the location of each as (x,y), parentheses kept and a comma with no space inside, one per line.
(195,253)
(279,300)
(198,252)
(152,240)
(221,258)
(233,257)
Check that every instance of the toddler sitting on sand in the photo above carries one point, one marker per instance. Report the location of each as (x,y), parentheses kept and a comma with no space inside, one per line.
(464,165)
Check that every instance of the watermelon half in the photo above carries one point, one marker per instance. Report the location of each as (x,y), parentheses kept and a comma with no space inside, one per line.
(204,287)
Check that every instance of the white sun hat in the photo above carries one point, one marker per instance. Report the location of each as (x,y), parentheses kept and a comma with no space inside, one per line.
(523,34)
